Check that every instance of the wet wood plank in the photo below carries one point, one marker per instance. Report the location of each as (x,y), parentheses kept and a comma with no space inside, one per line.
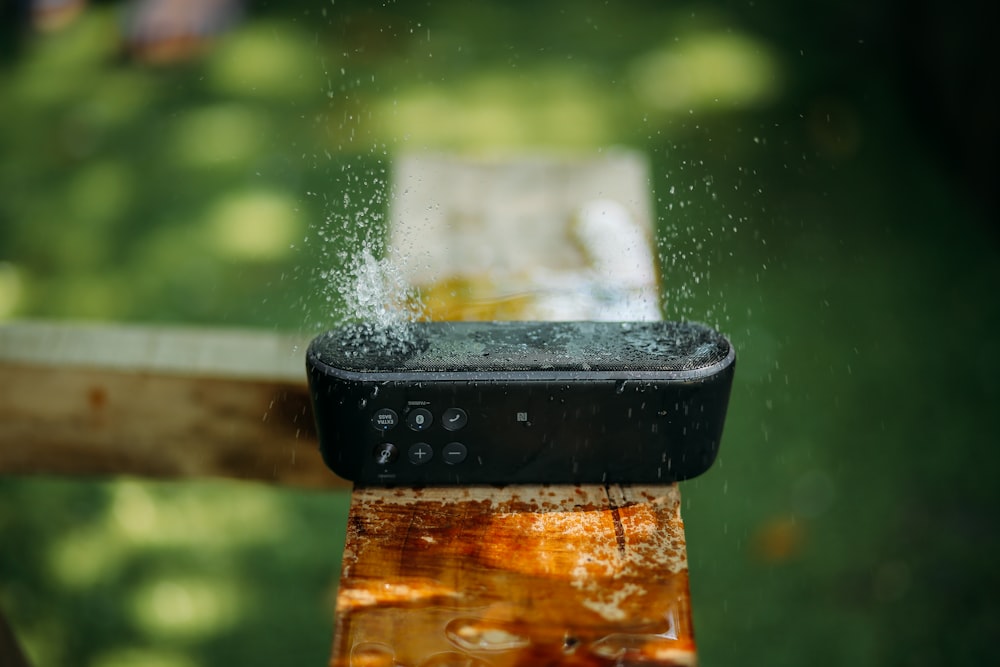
(156,402)
(560,575)
(520,575)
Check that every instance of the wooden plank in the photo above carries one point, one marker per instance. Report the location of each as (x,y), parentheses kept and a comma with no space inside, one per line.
(514,216)
(99,399)
(575,575)
(530,237)
(190,351)
(539,575)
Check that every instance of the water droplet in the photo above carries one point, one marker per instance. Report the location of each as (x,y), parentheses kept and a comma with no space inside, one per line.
(620,645)
(474,634)
(374,654)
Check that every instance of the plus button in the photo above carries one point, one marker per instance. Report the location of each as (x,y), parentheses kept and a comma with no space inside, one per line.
(420,453)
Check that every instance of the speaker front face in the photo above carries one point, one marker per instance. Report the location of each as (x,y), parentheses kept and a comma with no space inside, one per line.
(505,403)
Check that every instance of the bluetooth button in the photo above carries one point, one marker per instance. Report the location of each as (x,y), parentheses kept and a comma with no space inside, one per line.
(419,419)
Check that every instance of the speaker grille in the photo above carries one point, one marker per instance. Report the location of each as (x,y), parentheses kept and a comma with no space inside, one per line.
(522,346)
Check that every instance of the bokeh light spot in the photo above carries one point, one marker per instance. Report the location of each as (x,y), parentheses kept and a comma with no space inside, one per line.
(551,107)
(143,657)
(256,225)
(217,135)
(185,608)
(707,69)
(272,62)
(11,288)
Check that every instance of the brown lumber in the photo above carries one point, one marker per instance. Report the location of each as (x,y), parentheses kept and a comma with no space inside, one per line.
(156,402)
(523,575)
(517,575)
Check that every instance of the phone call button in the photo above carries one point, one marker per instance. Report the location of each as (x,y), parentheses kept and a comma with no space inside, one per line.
(454,418)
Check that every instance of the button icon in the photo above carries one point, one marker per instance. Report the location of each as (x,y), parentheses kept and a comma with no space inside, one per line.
(420,453)
(454,452)
(454,418)
(385,419)
(420,419)
(385,453)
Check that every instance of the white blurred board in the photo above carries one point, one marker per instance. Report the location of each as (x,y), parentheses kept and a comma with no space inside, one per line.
(572,234)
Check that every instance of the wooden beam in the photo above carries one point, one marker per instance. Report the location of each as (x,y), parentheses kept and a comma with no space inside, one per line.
(521,575)
(560,575)
(156,402)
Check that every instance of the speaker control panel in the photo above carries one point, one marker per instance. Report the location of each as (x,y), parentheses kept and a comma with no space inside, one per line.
(462,432)
(419,420)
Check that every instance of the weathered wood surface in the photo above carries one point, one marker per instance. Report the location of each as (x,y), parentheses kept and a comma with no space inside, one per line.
(525,575)
(156,402)
(535,237)
(561,575)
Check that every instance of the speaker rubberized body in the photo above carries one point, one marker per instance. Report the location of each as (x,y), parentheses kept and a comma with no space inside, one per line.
(520,402)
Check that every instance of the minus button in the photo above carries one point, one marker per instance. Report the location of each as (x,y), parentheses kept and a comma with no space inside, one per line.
(454,452)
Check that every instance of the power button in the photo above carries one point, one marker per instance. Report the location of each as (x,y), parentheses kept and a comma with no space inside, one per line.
(385,453)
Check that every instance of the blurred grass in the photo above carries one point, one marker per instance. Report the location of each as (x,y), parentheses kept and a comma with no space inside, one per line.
(199,573)
(803,205)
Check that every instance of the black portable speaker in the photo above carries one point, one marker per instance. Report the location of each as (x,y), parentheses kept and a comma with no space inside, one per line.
(520,402)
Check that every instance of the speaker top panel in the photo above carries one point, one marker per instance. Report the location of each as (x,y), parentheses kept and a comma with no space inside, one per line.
(684,349)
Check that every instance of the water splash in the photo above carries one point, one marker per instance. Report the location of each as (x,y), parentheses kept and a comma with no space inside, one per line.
(376,292)
(378,302)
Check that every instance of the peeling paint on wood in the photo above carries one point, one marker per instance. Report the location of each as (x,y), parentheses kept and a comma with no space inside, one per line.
(515,576)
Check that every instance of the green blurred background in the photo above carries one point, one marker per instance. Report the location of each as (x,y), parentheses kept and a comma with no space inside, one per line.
(825,190)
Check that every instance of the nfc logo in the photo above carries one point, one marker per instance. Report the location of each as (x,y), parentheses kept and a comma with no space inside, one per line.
(522,416)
